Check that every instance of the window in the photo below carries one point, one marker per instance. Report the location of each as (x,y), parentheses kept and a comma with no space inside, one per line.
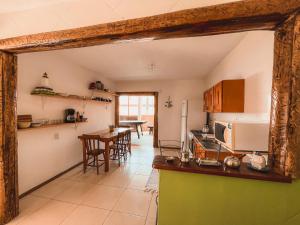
(136,105)
(147,105)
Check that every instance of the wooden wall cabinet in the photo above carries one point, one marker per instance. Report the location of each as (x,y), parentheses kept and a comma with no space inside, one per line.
(227,96)
(208,100)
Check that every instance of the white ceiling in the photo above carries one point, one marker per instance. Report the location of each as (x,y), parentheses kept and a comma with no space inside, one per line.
(8,6)
(184,58)
(20,17)
(164,59)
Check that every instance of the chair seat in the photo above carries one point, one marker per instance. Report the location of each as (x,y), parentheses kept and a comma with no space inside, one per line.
(95,152)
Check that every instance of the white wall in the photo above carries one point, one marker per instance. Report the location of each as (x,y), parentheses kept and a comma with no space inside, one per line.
(41,156)
(252,60)
(178,90)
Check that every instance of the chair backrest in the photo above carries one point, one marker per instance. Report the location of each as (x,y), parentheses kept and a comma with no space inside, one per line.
(127,135)
(91,142)
(121,137)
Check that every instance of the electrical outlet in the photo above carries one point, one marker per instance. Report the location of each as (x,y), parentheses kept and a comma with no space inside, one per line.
(56,136)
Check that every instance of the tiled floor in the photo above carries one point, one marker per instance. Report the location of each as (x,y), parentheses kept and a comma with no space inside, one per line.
(114,198)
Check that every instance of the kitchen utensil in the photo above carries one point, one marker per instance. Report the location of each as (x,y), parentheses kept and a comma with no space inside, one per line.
(232,162)
(170,159)
(208,162)
(185,157)
(34,124)
(24,125)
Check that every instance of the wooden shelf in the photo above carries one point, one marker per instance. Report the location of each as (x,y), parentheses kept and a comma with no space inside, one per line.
(81,98)
(49,125)
(104,92)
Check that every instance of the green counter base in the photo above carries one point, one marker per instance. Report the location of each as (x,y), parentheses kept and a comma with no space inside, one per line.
(197,199)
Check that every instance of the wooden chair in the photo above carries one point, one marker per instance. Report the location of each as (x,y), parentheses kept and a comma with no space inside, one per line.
(119,148)
(92,150)
(150,127)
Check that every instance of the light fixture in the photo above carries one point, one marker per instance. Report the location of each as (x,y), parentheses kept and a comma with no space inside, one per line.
(169,103)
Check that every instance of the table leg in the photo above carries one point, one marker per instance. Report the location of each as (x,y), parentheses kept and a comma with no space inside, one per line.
(129,147)
(106,156)
(137,130)
(141,129)
(84,157)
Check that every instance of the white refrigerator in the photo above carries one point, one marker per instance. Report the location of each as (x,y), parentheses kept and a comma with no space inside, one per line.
(184,118)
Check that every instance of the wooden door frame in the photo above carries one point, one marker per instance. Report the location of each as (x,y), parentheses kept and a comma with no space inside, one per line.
(140,93)
(281,16)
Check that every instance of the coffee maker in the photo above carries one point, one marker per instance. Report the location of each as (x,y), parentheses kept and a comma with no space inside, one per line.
(70,116)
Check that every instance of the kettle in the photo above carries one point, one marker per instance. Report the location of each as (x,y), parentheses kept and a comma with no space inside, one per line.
(232,162)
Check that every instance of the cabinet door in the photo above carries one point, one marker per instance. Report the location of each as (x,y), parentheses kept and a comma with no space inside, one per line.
(217,102)
(205,101)
(210,100)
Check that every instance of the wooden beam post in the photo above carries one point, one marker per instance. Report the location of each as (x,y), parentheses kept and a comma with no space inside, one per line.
(285,113)
(9,196)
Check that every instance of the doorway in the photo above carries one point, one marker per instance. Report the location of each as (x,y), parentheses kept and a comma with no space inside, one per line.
(139,110)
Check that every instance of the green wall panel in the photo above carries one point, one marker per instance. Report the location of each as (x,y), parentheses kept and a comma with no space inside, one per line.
(198,199)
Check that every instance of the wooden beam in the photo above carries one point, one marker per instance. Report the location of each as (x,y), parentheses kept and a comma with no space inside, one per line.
(218,19)
(285,112)
(9,197)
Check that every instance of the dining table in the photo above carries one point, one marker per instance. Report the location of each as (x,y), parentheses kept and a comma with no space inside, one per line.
(134,123)
(107,136)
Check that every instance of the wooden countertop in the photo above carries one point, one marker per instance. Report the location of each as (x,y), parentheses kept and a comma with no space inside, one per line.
(159,162)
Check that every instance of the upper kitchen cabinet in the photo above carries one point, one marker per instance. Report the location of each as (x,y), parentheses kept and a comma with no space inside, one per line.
(226,96)
(208,100)
(229,96)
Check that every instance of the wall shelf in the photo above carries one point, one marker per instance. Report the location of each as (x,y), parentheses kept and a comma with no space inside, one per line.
(50,125)
(74,97)
(104,92)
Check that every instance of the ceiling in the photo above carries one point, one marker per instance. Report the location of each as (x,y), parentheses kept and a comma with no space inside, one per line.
(21,17)
(182,58)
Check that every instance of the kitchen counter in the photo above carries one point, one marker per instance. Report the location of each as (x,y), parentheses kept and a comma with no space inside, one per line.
(198,138)
(159,162)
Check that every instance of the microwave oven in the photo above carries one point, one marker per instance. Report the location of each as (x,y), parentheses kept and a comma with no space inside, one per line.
(240,136)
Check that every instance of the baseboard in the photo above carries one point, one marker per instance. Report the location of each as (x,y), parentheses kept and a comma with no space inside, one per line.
(47,181)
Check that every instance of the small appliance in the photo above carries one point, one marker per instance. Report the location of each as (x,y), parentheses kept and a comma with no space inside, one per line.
(70,116)
(238,136)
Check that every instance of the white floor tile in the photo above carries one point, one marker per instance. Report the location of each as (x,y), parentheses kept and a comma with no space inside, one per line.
(53,213)
(84,215)
(134,202)
(118,218)
(74,194)
(104,197)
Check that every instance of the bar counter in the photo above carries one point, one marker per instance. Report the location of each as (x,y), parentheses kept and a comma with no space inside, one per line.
(160,162)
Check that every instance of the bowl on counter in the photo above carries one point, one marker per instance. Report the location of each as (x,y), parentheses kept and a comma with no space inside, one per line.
(24,125)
